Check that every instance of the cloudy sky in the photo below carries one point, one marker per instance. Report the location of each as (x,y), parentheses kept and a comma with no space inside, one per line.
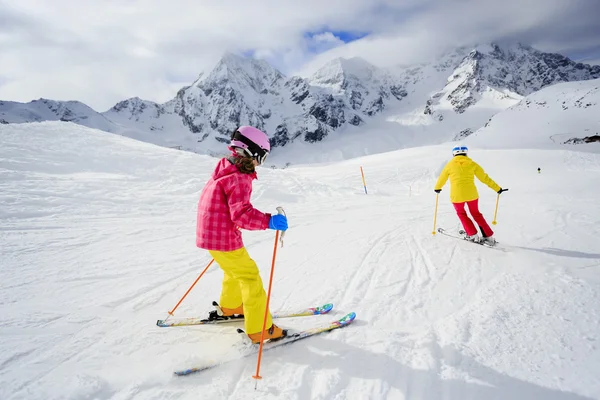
(104,51)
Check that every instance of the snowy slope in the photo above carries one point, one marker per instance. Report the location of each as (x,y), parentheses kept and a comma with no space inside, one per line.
(97,242)
(550,118)
(151,122)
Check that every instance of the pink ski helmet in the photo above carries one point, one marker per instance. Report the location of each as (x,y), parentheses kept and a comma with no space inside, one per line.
(252,142)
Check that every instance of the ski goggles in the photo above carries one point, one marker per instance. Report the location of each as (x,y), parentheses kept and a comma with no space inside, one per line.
(249,147)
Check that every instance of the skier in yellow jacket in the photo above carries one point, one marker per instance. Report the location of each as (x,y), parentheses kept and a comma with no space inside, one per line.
(462,172)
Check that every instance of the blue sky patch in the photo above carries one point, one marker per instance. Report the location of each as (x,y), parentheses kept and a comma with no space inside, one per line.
(348,37)
(345,36)
(317,44)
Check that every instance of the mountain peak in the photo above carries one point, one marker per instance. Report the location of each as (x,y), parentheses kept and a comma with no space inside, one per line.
(350,66)
(231,59)
(133,104)
(241,71)
(500,46)
(337,72)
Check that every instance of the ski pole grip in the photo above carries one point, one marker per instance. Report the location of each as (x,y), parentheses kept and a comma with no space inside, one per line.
(280,211)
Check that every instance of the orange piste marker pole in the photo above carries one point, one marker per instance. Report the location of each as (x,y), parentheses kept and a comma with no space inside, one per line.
(191,287)
(262,336)
(363,179)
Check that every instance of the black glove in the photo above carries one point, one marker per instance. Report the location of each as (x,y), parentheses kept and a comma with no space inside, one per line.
(437,190)
(502,190)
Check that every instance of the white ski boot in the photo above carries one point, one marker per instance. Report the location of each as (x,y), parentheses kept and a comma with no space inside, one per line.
(474,238)
(490,241)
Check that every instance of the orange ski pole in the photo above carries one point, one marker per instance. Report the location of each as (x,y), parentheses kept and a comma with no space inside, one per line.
(191,287)
(262,336)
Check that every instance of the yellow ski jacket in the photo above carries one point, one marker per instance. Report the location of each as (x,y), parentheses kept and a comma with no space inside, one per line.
(462,172)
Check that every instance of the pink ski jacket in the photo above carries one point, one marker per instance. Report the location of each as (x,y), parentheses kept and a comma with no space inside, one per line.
(224,206)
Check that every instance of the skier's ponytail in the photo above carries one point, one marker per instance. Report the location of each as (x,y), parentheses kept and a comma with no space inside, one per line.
(243,163)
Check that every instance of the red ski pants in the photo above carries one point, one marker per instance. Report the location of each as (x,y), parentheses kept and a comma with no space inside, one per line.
(466,221)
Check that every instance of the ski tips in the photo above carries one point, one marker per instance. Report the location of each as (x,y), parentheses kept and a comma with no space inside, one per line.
(348,318)
(324,309)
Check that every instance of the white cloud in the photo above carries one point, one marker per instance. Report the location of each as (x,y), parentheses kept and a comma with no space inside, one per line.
(325,41)
(548,25)
(101,52)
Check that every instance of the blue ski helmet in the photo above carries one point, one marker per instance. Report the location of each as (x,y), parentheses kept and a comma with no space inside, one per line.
(460,150)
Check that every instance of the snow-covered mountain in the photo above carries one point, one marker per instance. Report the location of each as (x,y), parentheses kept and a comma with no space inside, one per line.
(243,91)
(505,73)
(50,110)
(458,93)
(237,91)
(447,99)
(565,113)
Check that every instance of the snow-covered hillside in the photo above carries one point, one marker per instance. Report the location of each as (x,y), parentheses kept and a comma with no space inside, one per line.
(558,116)
(446,99)
(97,242)
(50,110)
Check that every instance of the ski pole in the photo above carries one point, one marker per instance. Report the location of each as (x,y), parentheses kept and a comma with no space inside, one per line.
(496,212)
(190,289)
(437,197)
(262,335)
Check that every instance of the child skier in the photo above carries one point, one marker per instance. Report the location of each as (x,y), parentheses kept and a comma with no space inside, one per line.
(461,170)
(224,207)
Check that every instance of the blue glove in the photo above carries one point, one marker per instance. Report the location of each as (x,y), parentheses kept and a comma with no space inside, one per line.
(278,222)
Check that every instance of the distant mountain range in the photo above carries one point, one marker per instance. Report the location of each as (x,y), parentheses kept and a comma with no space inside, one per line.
(456,94)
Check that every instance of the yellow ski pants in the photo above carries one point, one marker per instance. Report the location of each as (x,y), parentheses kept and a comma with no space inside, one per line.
(242,285)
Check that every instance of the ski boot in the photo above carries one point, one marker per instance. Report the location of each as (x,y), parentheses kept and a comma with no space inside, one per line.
(272,334)
(223,313)
(490,241)
(473,238)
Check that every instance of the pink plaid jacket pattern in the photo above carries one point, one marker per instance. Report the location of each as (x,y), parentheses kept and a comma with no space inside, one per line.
(225,205)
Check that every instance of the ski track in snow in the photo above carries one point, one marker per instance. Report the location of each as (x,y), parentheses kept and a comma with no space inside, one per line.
(97,236)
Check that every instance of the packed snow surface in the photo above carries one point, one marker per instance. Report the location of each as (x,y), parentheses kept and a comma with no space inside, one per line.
(97,242)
